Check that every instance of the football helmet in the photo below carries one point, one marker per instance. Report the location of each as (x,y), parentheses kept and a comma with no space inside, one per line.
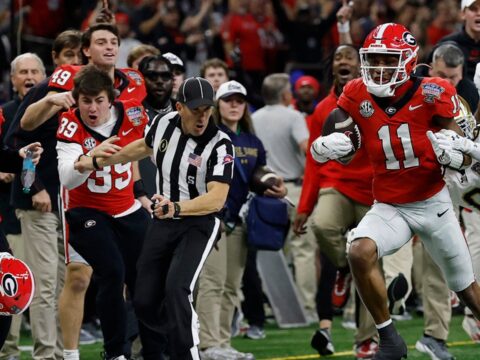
(465,118)
(387,39)
(16,285)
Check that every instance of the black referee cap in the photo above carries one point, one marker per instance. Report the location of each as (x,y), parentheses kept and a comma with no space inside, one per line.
(195,92)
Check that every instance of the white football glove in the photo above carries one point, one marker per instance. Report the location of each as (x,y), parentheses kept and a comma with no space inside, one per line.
(462,143)
(331,147)
(443,147)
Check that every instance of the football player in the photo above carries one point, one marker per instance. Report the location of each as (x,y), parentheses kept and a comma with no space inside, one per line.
(106,224)
(393,112)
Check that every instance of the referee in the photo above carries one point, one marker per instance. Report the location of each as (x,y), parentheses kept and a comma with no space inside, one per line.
(194,162)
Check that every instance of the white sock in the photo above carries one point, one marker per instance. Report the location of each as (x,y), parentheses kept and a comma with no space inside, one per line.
(71,354)
(384,324)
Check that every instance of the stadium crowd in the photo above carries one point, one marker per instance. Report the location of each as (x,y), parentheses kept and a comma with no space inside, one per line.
(154,116)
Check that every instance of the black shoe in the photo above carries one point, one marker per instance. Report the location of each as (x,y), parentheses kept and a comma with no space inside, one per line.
(322,342)
(392,349)
(397,290)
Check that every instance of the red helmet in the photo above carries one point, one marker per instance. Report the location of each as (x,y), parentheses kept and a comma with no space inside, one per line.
(16,285)
(388,39)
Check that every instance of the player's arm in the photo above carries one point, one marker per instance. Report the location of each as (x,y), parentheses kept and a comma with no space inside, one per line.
(39,112)
(67,154)
(335,144)
(208,203)
(134,151)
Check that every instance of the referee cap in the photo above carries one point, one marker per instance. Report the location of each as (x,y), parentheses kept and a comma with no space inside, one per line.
(195,92)
(230,88)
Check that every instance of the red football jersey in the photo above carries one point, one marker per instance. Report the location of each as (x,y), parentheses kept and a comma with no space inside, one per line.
(394,134)
(128,82)
(109,189)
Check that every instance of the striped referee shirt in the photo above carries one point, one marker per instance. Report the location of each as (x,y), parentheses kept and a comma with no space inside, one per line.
(185,163)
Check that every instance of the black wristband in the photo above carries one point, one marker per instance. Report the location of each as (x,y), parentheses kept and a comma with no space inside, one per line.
(95,164)
(176,210)
(139,189)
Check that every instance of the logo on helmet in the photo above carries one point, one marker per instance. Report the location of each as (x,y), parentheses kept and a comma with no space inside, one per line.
(9,285)
(409,39)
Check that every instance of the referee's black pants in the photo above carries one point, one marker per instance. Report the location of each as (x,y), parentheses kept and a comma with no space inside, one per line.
(112,247)
(172,257)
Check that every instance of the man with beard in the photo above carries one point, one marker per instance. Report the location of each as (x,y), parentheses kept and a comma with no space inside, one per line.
(345,196)
(157,71)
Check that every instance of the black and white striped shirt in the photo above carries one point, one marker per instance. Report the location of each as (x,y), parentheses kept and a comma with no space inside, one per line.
(185,164)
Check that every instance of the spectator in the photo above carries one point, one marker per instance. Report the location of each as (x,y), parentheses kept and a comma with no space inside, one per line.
(468,39)
(178,70)
(106,224)
(284,134)
(215,71)
(138,53)
(306,93)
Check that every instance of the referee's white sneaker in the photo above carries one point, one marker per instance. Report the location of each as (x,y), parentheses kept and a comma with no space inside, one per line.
(228,353)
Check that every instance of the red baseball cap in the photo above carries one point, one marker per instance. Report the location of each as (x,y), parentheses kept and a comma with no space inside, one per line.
(307,80)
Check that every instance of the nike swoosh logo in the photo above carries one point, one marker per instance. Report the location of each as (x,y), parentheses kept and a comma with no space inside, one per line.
(411,108)
(442,213)
(125,133)
(129,90)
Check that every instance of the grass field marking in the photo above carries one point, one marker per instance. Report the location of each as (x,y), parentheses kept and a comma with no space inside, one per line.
(347,353)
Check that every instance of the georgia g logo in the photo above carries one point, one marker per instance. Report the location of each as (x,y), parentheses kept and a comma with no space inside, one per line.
(9,285)
(409,39)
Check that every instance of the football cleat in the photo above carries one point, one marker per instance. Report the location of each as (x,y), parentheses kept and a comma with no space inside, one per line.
(341,290)
(366,349)
(17,285)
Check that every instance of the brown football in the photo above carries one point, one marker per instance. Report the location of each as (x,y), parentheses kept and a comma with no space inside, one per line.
(262,179)
(340,121)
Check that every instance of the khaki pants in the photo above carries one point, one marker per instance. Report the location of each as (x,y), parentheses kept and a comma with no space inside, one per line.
(10,348)
(334,216)
(219,286)
(437,310)
(44,253)
(303,249)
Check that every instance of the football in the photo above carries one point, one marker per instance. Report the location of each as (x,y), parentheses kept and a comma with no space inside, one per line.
(340,121)
(262,179)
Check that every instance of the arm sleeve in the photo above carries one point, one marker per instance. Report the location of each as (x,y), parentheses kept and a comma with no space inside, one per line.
(299,128)
(68,153)
(447,105)
(220,163)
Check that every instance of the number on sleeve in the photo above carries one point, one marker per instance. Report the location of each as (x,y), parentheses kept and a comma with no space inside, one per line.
(67,128)
(455,102)
(61,77)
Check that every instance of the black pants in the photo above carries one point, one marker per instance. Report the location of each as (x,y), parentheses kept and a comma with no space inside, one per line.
(252,305)
(172,257)
(112,247)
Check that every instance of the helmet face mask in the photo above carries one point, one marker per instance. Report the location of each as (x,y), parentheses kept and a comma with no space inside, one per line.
(388,57)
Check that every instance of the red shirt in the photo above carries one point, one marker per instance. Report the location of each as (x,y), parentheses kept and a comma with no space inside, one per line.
(354,180)
(247,31)
(109,189)
(404,164)
(128,81)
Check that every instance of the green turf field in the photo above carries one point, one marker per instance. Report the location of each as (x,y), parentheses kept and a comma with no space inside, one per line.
(295,343)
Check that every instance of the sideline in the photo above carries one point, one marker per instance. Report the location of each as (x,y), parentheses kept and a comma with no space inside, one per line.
(350,353)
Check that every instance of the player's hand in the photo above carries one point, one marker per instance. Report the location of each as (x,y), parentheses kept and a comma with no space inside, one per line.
(299,227)
(457,142)
(277,191)
(41,201)
(446,154)
(344,14)
(64,100)
(83,164)
(35,148)
(331,147)
(107,148)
